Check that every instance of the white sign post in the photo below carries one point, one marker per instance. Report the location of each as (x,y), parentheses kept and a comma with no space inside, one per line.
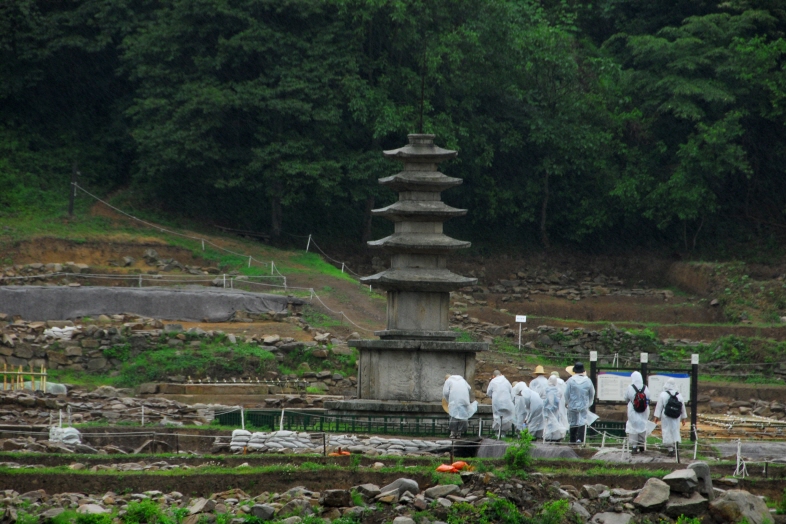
(521,319)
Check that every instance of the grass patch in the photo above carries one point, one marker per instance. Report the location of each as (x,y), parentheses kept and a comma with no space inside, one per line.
(317,318)
(305,262)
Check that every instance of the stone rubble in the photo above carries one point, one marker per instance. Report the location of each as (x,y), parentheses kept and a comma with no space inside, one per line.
(400,502)
(568,285)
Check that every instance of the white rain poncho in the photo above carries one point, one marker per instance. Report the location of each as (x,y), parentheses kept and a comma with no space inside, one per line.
(670,427)
(563,409)
(538,385)
(501,393)
(553,428)
(528,408)
(637,422)
(456,392)
(579,393)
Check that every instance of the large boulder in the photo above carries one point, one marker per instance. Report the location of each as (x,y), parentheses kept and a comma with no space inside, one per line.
(402,485)
(692,506)
(702,470)
(298,506)
(611,518)
(654,495)
(91,509)
(593,491)
(335,498)
(263,512)
(682,481)
(737,504)
(441,491)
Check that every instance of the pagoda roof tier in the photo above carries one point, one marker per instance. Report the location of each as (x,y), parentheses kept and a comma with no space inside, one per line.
(419,243)
(419,211)
(420,181)
(429,280)
(421,148)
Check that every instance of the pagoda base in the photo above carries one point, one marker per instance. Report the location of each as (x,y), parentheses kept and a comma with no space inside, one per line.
(412,371)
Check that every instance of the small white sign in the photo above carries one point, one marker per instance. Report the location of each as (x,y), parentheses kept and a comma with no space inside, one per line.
(645,357)
(521,318)
(694,358)
(593,356)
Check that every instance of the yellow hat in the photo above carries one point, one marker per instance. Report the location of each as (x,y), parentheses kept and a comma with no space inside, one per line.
(445,405)
(569,369)
(539,370)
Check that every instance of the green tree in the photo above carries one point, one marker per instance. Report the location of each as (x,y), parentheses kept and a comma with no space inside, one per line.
(709,88)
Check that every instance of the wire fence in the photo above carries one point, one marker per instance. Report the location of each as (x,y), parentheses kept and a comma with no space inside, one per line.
(226,280)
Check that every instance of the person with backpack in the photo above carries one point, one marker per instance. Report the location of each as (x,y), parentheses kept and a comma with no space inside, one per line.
(638,398)
(670,410)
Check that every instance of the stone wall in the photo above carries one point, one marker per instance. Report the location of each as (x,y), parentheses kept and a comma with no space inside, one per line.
(64,345)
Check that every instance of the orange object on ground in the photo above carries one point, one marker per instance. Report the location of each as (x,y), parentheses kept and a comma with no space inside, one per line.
(345,453)
(459,465)
(446,468)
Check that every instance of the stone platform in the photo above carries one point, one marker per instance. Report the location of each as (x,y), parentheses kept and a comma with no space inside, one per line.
(411,370)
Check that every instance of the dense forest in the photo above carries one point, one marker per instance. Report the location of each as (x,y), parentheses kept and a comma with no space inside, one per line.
(577,123)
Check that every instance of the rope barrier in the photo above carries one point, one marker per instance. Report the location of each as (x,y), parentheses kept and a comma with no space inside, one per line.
(273,267)
(343,264)
(166,230)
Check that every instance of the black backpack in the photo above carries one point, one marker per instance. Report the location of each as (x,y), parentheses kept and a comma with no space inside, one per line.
(673,407)
(639,400)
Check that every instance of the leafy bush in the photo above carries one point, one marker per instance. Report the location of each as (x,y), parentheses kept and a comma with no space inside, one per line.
(553,512)
(518,457)
(146,512)
(23,517)
(101,518)
(688,520)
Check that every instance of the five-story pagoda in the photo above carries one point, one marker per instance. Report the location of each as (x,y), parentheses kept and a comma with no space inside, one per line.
(416,351)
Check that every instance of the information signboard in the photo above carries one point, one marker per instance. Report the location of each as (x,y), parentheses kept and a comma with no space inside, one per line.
(655,383)
(612,385)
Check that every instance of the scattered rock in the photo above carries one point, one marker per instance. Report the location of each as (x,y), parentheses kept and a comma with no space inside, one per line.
(654,495)
(702,470)
(692,506)
(737,504)
(682,481)
(401,486)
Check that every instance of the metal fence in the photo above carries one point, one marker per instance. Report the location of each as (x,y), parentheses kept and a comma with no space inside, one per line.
(270,420)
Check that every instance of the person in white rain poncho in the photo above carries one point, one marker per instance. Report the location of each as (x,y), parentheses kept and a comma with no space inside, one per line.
(563,409)
(553,429)
(539,383)
(636,428)
(579,395)
(501,394)
(456,394)
(528,412)
(670,421)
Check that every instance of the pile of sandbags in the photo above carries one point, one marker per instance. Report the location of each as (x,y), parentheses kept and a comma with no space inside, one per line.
(68,436)
(240,438)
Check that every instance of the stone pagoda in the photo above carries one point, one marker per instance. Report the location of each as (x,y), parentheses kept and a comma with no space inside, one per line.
(410,359)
